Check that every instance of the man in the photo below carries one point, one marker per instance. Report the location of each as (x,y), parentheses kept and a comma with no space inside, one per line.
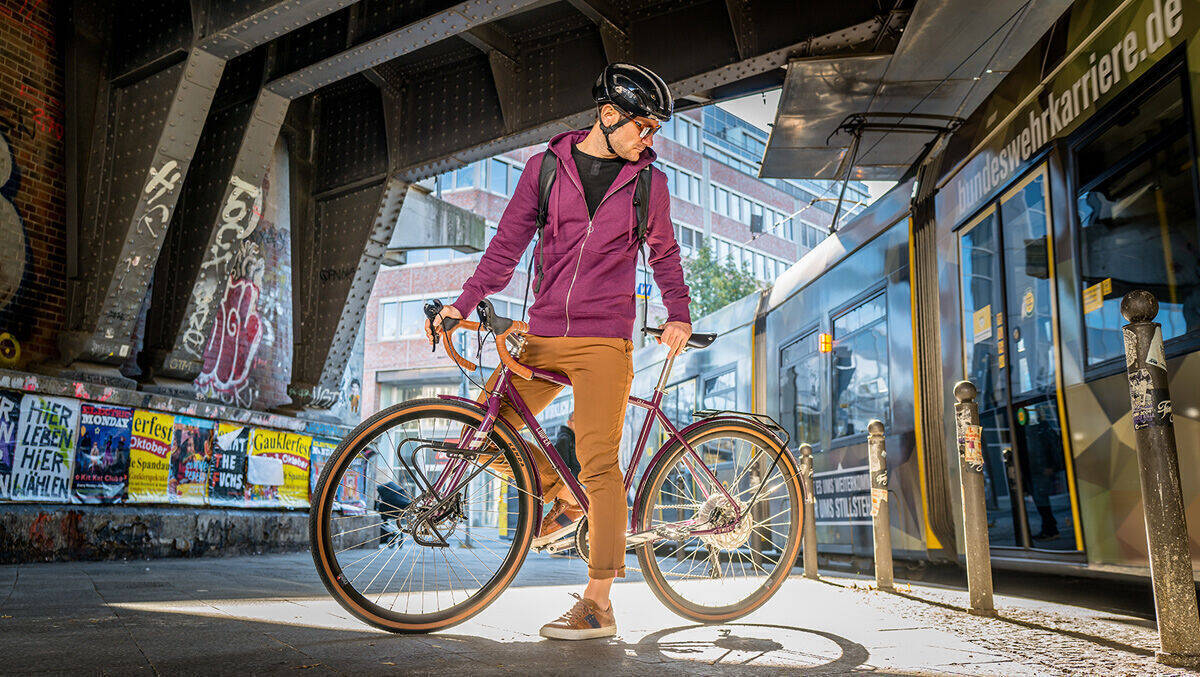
(565,445)
(582,317)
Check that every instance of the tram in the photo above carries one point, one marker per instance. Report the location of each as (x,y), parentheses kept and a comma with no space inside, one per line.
(1003,260)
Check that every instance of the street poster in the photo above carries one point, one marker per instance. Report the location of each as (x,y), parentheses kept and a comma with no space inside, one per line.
(45,449)
(351,495)
(10,416)
(277,470)
(227,480)
(150,457)
(190,460)
(102,454)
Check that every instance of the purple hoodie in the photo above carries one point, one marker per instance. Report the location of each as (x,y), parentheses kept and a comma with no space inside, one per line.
(588,268)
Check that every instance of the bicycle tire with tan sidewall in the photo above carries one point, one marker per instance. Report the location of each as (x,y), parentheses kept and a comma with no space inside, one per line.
(649,562)
(325,492)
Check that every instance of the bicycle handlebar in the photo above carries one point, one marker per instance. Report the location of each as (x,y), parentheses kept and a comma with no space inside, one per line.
(507,326)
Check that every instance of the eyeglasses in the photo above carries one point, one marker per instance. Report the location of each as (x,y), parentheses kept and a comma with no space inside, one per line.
(646,126)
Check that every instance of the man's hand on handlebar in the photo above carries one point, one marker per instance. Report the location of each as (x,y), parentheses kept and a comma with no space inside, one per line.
(675,335)
(446,311)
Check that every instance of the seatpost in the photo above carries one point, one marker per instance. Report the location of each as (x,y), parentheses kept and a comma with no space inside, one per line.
(662,378)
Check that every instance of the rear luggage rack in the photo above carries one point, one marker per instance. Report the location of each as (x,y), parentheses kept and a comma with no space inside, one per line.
(761,419)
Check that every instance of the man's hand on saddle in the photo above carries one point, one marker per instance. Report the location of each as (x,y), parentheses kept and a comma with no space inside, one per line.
(675,335)
(446,311)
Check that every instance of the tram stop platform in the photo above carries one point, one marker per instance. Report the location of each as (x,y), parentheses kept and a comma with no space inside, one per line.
(270,615)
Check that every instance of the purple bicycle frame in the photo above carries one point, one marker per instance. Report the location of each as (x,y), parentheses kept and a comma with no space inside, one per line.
(452,473)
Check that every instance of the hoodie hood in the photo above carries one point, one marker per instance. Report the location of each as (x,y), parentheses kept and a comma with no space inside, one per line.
(561,144)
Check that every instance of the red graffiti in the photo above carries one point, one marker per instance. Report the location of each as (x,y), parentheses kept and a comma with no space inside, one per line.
(234,341)
(24,17)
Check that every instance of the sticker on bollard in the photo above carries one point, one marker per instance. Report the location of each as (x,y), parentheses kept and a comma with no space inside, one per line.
(878,498)
(972,449)
(1149,406)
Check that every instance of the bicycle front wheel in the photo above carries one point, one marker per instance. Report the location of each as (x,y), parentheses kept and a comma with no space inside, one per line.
(404,551)
(729,566)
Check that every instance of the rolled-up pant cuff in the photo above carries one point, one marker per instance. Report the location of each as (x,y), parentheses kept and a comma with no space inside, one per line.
(601,574)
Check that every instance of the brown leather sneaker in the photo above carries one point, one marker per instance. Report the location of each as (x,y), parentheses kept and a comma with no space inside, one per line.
(584,620)
(558,522)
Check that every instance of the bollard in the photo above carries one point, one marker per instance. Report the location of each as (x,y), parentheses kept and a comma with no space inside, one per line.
(1162,498)
(970,469)
(810,502)
(880,519)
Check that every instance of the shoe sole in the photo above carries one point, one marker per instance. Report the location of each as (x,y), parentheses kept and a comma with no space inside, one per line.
(542,541)
(588,633)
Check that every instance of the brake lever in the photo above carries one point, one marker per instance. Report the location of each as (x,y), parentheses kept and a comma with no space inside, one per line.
(432,308)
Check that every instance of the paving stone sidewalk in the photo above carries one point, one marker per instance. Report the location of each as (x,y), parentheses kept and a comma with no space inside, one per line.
(270,615)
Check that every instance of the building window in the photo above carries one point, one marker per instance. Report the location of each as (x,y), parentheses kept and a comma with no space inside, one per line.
(389,320)
(465,177)
(720,392)
(860,367)
(390,394)
(1138,228)
(498,176)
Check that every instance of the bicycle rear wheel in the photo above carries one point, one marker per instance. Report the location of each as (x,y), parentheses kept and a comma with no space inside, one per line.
(716,577)
(415,556)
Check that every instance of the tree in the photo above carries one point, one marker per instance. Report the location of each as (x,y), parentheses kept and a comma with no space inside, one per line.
(715,284)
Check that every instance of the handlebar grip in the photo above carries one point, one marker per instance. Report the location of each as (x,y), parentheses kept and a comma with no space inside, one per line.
(446,332)
(505,357)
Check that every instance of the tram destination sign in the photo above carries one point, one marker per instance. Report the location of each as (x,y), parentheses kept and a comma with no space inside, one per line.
(843,496)
(1109,44)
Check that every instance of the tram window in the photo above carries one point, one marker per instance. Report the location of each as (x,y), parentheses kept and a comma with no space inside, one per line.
(679,401)
(860,369)
(720,392)
(800,389)
(1137,219)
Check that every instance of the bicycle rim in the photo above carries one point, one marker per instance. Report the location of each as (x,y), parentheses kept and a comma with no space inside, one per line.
(725,575)
(401,557)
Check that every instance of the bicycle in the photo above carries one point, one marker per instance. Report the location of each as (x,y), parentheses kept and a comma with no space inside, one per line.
(715,525)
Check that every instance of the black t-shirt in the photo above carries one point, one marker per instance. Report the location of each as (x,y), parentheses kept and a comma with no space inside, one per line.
(597,176)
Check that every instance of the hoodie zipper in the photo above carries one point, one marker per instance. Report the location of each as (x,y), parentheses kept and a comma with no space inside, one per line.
(586,235)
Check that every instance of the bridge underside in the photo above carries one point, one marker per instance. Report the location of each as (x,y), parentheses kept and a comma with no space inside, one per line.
(214,143)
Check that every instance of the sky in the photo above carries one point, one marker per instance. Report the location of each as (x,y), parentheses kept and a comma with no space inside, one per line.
(759,110)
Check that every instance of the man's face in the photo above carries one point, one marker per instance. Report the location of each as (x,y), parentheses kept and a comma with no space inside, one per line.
(625,139)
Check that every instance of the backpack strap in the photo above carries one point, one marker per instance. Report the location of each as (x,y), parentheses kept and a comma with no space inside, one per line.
(546,174)
(641,206)
(641,202)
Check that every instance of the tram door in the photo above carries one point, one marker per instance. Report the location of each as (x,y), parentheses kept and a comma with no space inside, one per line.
(1009,354)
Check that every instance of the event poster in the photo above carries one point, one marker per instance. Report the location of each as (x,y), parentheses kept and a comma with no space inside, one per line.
(10,416)
(350,496)
(102,455)
(227,479)
(190,458)
(150,457)
(277,470)
(45,449)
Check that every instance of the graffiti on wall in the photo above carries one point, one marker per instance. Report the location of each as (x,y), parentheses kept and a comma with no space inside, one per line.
(15,265)
(247,353)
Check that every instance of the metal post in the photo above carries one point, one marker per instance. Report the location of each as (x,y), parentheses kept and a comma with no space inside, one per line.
(462,392)
(970,470)
(880,519)
(1162,498)
(810,501)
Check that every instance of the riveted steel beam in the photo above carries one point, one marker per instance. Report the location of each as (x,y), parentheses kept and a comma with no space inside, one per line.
(144,201)
(489,40)
(425,156)
(743,27)
(272,21)
(237,218)
(610,24)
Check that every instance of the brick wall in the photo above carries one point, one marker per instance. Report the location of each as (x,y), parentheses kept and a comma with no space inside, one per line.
(32,184)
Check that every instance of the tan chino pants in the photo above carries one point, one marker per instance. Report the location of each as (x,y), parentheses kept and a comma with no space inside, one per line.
(601,373)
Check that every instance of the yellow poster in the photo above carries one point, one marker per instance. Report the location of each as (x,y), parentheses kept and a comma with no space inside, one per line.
(150,457)
(983,323)
(277,471)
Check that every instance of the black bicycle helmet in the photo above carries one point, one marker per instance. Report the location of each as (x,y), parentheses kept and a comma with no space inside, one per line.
(635,90)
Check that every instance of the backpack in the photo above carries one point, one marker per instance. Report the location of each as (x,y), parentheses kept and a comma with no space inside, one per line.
(546,175)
